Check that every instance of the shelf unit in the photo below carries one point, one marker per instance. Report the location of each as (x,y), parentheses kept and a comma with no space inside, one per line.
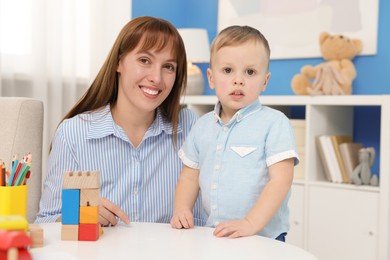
(332,220)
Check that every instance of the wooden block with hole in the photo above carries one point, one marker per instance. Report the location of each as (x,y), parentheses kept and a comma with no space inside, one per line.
(89,197)
(81,180)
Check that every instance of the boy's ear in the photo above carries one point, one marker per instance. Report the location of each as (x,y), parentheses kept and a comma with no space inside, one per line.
(265,83)
(210,78)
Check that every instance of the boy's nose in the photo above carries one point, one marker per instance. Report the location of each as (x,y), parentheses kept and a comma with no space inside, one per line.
(238,82)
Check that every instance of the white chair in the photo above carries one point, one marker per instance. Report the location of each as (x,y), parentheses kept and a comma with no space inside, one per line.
(21,130)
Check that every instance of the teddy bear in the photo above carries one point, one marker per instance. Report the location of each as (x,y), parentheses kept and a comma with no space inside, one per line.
(362,173)
(334,76)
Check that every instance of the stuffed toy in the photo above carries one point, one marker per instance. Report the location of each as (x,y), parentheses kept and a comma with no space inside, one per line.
(335,75)
(362,173)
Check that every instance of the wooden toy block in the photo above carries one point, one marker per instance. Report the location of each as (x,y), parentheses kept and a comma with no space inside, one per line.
(13,222)
(89,232)
(70,207)
(89,197)
(81,180)
(89,214)
(70,232)
(36,235)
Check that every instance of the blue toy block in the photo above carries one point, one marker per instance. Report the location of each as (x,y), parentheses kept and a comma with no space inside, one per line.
(70,207)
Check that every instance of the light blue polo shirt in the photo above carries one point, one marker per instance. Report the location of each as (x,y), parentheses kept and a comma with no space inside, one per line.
(233,159)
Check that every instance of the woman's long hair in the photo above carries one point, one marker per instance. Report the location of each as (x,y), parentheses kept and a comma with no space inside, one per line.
(148,33)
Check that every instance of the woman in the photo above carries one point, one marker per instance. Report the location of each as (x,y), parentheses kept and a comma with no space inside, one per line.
(128,126)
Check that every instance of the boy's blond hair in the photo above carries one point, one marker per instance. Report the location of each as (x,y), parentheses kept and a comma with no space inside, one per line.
(235,35)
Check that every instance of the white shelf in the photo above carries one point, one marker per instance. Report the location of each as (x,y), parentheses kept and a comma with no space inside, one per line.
(341,186)
(333,115)
(347,100)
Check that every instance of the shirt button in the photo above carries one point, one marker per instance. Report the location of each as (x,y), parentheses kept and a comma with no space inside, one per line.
(135,191)
(214,186)
(213,207)
(225,129)
(219,147)
(216,223)
(217,167)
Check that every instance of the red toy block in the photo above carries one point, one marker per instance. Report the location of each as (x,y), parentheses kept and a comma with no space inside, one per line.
(13,245)
(13,239)
(89,232)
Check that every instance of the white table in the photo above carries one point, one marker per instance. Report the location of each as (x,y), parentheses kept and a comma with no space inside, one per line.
(159,241)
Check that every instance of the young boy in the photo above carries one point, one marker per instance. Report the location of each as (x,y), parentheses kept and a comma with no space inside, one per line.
(241,156)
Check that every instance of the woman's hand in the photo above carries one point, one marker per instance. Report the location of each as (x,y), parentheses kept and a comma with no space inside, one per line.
(182,219)
(108,213)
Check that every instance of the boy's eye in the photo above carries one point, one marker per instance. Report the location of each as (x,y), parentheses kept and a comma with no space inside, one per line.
(227,70)
(250,72)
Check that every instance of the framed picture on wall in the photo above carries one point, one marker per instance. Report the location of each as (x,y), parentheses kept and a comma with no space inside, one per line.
(293,27)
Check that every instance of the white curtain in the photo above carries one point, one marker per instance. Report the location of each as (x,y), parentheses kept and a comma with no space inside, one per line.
(52,50)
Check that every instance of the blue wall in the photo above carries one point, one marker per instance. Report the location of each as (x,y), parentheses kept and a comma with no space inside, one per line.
(373,71)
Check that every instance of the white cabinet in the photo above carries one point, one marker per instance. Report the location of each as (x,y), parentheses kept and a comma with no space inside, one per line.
(332,220)
(346,219)
(296,202)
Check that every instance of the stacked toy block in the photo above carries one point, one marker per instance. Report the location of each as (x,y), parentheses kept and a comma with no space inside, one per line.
(80,206)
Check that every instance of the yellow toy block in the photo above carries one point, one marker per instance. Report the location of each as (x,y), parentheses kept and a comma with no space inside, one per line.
(89,215)
(13,222)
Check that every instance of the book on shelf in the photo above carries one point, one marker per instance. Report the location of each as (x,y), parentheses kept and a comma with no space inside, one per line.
(328,158)
(350,156)
(299,127)
(324,159)
(330,155)
(336,141)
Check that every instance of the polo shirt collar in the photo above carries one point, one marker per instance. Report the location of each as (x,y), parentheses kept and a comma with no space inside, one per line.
(239,115)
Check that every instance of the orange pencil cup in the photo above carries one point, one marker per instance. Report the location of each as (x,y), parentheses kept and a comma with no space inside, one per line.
(13,200)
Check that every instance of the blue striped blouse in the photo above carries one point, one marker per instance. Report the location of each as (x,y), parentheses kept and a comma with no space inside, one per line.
(140,180)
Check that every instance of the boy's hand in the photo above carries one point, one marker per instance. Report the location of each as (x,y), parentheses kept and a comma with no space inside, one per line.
(234,229)
(182,219)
